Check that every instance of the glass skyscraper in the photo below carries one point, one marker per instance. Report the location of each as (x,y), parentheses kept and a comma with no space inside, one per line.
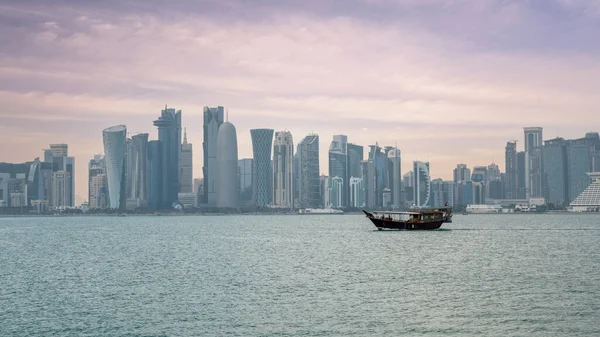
(213,118)
(308,179)
(169,134)
(262,140)
(114,139)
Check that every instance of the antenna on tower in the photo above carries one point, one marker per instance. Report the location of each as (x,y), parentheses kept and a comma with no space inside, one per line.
(185,135)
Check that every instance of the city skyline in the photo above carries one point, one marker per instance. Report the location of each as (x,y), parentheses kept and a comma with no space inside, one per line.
(446,91)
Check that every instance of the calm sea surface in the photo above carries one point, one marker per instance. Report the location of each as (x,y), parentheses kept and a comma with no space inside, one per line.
(506,275)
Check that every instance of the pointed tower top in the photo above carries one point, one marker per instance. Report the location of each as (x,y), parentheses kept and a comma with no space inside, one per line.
(227,115)
(185,135)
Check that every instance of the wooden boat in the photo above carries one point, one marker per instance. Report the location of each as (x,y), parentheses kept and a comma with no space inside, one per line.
(416,219)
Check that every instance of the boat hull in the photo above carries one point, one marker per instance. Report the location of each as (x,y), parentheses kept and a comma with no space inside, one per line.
(394,225)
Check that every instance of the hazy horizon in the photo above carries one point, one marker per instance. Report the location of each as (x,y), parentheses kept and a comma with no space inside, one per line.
(447,81)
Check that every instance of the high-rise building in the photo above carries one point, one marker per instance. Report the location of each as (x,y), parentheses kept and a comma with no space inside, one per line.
(335,192)
(227,161)
(338,162)
(155,175)
(213,118)
(395,157)
(98,191)
(62,162)
(136,169)
(555,178)
(355,157)
(579,165)
(187,167)
(533,161)
(114,139)
(169,134)
(95,167)
(422,184)
(442,192)
(245,180)
(408,187)
(511,170)
(61,187)
(479,174)
(462,173)
(323,190)
(59,150)
(521,175)
(283,164)
(357,192)
(307,163)
(262,140)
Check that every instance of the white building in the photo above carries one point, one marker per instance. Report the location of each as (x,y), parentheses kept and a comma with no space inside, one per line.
(227,164)
(61,187)
(335,192)
(589,199)
(395,157)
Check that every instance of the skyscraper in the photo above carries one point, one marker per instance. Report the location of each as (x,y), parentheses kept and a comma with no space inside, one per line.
(308,184)
(533,161)
(355,157)
(227,161)
(137,169)
(187,167)
(96,167)
(357,192)
(114,139)
(521,175)
(338,162)
(245,180)
(462,173)
(155,175)
(169,134)
(61,187)
(395,157)
(283,163)
(556,172)
(262,140)
(422,184)
(579,165)
(334,196)
(213,118)
(62,162)
(511,170)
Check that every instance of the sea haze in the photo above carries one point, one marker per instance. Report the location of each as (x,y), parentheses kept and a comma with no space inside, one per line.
(533,275)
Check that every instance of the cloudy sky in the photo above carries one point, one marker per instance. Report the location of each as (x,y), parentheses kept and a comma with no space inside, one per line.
(449,81)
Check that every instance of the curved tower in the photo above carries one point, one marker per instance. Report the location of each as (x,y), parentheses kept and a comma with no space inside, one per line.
(114,139)
(422,184)
(227,166)
(262,170)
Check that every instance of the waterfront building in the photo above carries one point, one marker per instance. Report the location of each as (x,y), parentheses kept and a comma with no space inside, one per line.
(338,162)
(395,157)
(408,181)
(98,191)
(521,176)
(283,163)
(262,140)
(355,158)
(511,170)
(533,161)
(213,118)
(95,167)
(323,190)
(59,150)
(114,139)
(422,184)
(227,161)
(169,135)
(61,187)
(186,184)
(62,162)
(136,168)
(245,181)
(556,168)
(579,165)
(155,166)
(462,173)
(589,199)
(357,199)
(335,192)
(188,200)
(307,173)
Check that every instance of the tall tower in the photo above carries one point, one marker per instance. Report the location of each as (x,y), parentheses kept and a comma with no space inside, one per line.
(227,163)
(169,134)
(422,184)
(187,169)
(395,157)
(283,163)
(136,168)
(262,140)
(511,170)
(59,155)
(533,162)
(114,156)
(338,163)
(213,118)
(308,179)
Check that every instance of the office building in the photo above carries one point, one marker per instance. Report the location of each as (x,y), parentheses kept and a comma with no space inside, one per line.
(511,170)
(155,197)
(355,157)
(556,191)
(187,166)
(357,199)
(114,139)
(589,199)
(213,118)
(521,176)
(61,188)
(462,173)
(245,181)
(283,164)
(395,157)
(338,162)
(262,141)
(422,184)
(169,135)
(308,181)
(227,166)
(136,169)
(335,192)
(98,191)
(533,162)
